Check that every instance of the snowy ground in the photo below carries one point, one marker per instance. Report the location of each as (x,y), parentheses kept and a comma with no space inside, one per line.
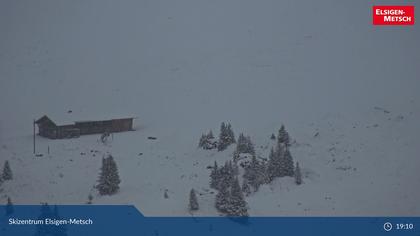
(183,67)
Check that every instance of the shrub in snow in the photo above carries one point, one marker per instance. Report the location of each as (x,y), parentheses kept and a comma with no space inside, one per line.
(109,179)
(193,204)
(7,172)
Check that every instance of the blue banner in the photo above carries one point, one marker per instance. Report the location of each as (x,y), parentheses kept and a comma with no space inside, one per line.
(127,220)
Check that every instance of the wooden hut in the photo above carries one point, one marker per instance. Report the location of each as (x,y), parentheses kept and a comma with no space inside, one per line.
(47,128)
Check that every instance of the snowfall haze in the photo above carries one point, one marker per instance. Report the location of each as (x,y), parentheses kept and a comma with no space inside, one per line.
(183,67)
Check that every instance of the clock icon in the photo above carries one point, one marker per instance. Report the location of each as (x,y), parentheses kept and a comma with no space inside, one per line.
(387,226)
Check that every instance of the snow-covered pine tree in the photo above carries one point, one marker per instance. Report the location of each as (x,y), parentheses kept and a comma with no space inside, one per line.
(222,143)
(226,137)
(280,162)
(237,203)
(288,164)
(230,134)
(273,137)
(245,145)
(261,173)
(271,165)
(9,207)
(207,141)
(283,136)
(249,174)
(245,188)
(193,203)
(214,176)
(241,145)
(250,146)
(298,174)
(222,198)
(109,179)
(222,175)
(255,174)
(202,141)
(275,167)
(226,174)
(264,173)
(7,171)
(211,141)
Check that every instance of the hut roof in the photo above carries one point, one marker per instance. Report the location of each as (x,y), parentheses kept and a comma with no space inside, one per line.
(44,119)
(71,118)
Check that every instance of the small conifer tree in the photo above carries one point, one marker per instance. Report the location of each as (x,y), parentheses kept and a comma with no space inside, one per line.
(273,137)
(214,176)
(226,137)
(222,198)
(288,164)
(7,171)
(298,174)
(193,204)
(237,203)
(283,136)
(109,179)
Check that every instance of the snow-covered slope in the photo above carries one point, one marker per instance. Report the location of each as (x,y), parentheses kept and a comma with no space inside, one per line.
(182,67)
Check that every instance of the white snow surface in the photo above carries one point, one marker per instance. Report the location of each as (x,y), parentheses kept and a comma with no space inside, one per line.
(182,67)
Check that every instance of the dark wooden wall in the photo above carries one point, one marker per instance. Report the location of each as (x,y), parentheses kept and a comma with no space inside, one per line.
(48,129)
